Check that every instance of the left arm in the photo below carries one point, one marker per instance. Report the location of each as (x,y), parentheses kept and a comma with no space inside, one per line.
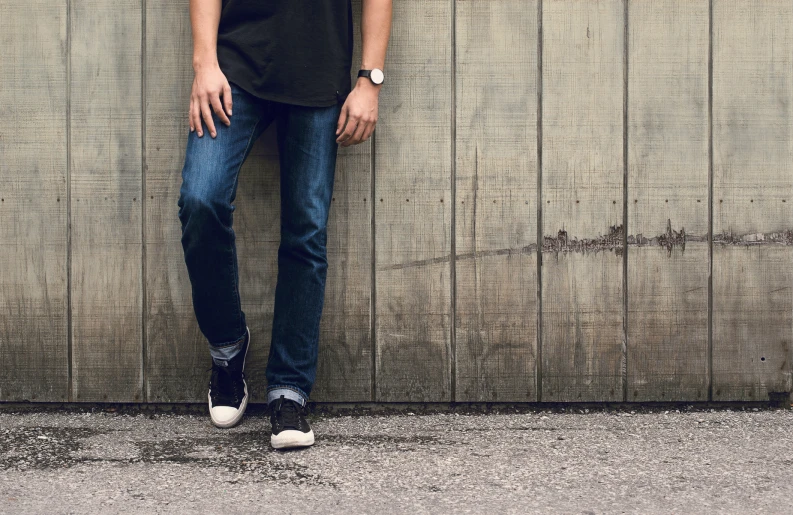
(359,113)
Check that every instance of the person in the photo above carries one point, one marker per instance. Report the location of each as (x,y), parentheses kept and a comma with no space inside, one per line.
(257,62)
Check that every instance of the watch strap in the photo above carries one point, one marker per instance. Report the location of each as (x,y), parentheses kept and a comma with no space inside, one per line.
(368,73)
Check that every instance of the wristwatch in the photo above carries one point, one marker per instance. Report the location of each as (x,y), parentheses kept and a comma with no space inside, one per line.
(375,75)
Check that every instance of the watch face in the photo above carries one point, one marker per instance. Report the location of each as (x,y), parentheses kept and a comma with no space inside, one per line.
(377,76)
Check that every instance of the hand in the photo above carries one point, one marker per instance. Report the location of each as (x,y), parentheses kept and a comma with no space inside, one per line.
(209,84)
(358,114)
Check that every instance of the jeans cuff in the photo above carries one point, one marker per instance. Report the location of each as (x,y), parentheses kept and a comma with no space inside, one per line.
(289,392)
(221,354)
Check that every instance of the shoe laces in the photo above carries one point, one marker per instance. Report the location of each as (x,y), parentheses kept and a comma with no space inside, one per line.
(288,412)
(225,390)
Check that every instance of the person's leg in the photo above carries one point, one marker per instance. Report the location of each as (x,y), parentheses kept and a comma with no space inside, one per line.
(209,186)
(307,152)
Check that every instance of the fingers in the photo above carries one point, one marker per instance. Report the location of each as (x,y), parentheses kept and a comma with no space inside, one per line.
(359,128)
(368,133)
(227,98)
(356,122)
(342,122)
(207,115)
(197,125)
(357,134)
(218,108)
(192,115)
(353,123)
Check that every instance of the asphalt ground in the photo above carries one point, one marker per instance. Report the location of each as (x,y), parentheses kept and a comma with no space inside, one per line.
(576,460)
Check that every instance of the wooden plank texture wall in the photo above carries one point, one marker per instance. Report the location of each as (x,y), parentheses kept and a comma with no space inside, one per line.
(565,200)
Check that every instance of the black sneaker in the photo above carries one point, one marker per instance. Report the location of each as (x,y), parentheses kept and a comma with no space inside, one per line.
(290,428)
(228,392)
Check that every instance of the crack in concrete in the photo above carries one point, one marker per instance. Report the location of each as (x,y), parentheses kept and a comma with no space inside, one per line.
(563,243)
(669,240)
(784,237)
(528,249)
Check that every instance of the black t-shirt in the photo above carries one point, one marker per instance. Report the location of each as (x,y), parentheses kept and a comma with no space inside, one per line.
(291,51)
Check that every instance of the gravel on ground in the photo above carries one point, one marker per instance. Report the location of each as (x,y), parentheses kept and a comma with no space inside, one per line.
(582,461)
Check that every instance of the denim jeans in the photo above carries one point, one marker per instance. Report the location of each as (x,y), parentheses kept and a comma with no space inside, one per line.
(307,154)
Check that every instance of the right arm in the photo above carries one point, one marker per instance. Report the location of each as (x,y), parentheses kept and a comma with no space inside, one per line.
(209,83)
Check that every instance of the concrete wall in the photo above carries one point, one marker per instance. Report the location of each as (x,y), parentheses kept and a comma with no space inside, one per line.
(565,200)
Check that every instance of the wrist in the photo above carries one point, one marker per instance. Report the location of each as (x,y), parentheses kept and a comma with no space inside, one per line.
(202,63)
(366,84)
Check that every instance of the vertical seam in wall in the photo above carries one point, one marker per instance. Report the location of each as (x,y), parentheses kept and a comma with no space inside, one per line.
(538,359)
(453,231)
(710,201)
(373,278)
(69,339)
(144,305)
(626,37)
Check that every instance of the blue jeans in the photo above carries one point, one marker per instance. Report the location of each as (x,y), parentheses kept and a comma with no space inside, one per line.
(307,153)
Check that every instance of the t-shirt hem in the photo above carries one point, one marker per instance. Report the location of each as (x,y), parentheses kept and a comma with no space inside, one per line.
(285,99)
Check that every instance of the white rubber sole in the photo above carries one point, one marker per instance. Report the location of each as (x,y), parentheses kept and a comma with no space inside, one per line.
(292,438)
(225,423)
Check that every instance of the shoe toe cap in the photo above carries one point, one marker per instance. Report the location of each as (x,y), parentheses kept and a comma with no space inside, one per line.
(292,438)
(224,414)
